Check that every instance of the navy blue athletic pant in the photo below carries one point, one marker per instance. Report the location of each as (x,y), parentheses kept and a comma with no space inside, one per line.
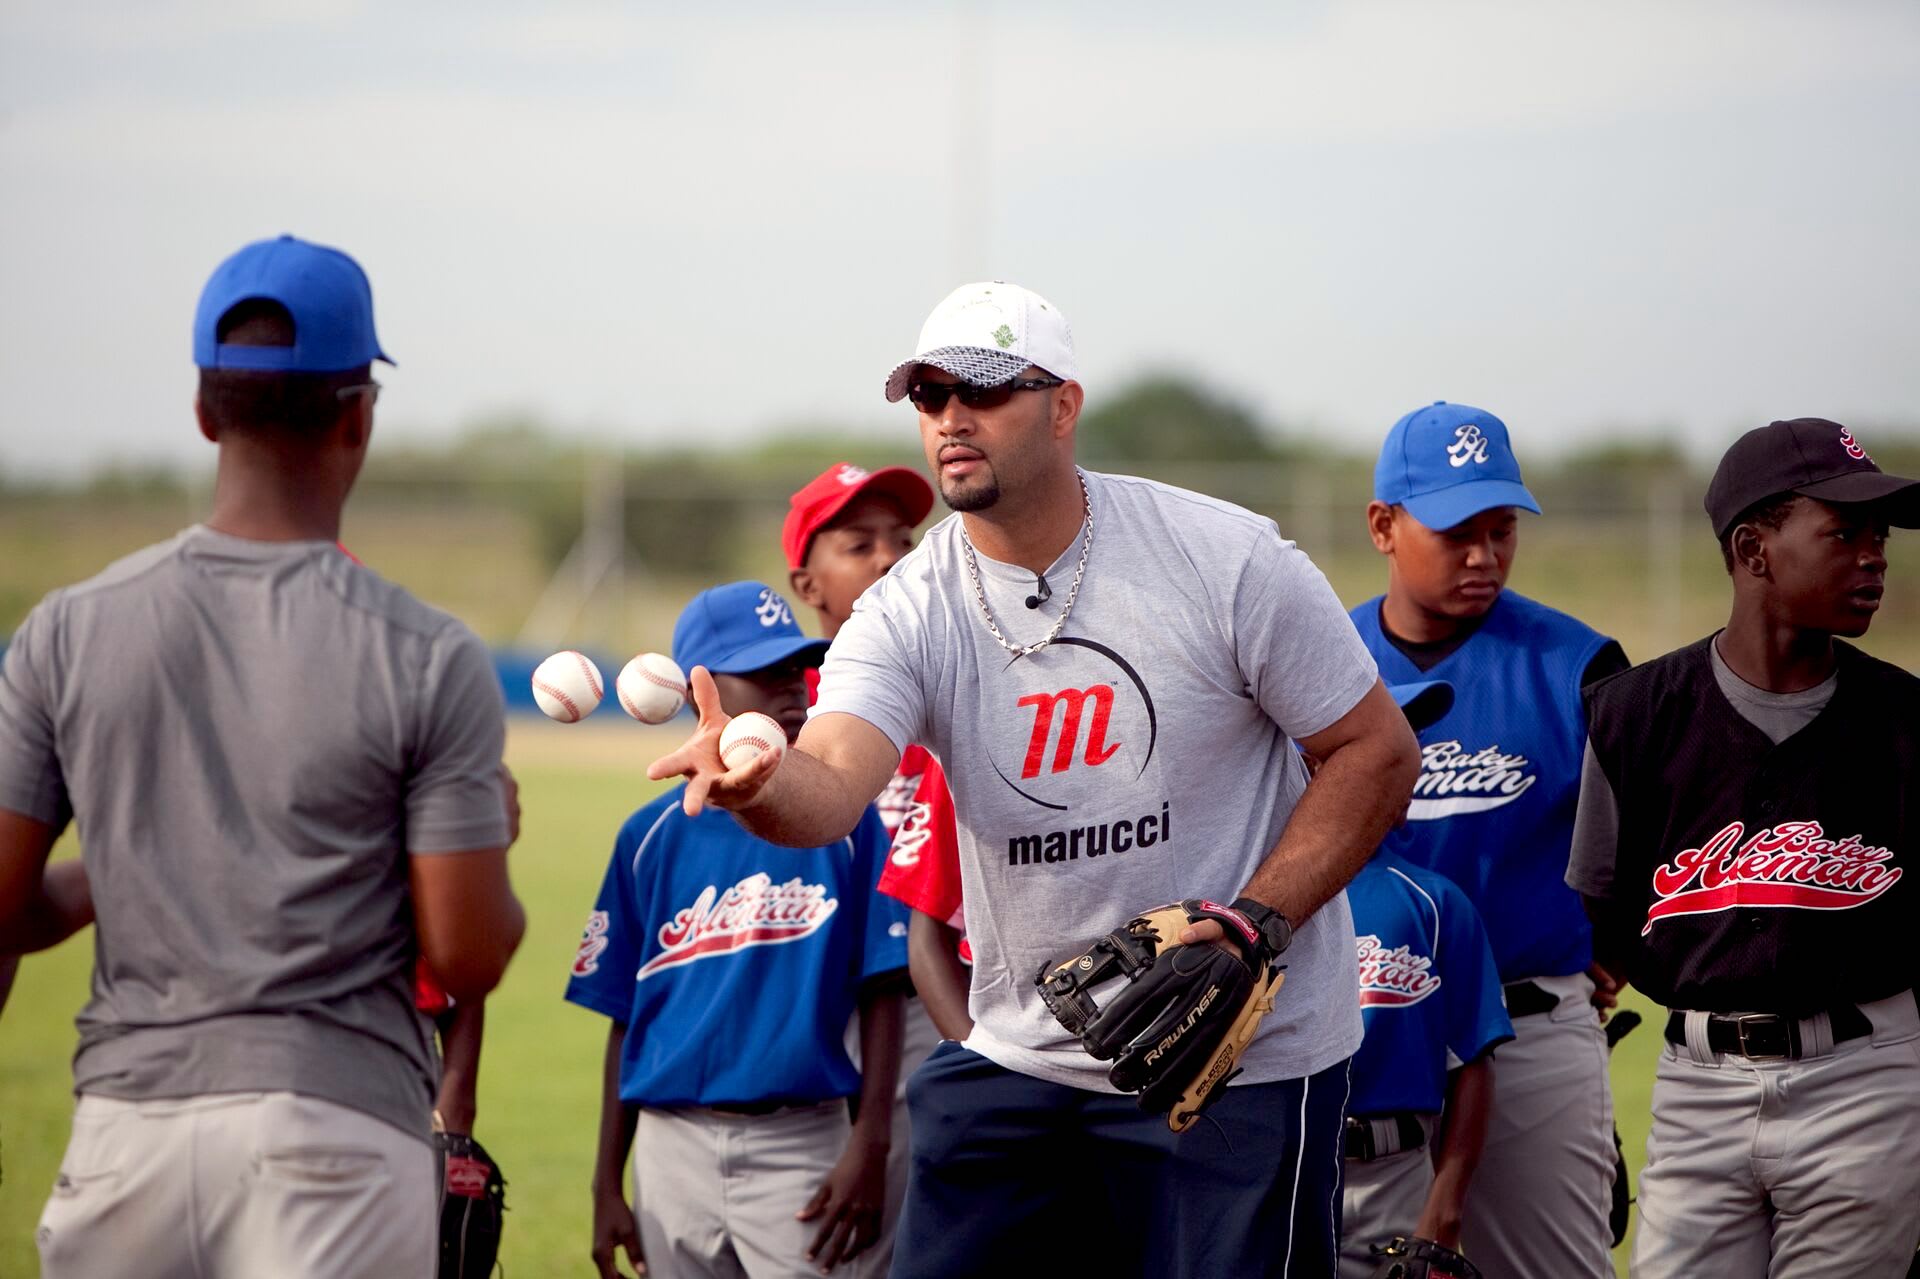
(1009,1170)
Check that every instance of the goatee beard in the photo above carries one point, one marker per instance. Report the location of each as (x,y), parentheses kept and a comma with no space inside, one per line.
(959,497)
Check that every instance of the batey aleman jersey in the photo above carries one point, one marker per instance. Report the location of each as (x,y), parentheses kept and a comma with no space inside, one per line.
(1429,995)
(734,963)
(1759,877)
(1500,777)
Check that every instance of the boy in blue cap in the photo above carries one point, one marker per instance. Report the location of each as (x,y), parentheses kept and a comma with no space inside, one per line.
(729,968)
(288,772)
(1493,812)
(1430,998)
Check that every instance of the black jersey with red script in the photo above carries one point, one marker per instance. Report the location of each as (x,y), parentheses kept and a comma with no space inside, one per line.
(1750,876)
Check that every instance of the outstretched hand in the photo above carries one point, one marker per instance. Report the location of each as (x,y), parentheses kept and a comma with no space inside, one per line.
(698,760)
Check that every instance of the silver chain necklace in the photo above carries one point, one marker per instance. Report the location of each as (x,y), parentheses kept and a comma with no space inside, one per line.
(1079,572)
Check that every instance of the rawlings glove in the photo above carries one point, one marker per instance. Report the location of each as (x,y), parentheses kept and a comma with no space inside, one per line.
(470,1209)
(1419,1258)
(1178,1025)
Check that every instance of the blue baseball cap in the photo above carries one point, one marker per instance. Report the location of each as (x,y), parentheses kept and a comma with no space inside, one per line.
(323,289)
(1446,463)
(1424,701)
(739,628)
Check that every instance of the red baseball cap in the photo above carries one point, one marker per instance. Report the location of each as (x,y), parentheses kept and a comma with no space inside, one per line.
(827,494)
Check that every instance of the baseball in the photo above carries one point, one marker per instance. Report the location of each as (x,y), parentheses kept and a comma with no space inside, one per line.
(567,686)
(746,736)
(652,688)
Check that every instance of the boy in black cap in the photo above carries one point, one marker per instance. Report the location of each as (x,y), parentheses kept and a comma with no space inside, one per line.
(1746,826)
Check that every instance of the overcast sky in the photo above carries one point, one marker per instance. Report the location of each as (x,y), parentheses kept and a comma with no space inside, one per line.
(661,224)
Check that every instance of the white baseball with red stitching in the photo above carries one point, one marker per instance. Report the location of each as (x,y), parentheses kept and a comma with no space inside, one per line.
(652,688)
(746,736)
(567,686)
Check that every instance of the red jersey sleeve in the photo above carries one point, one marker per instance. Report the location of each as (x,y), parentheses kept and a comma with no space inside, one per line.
(923,869)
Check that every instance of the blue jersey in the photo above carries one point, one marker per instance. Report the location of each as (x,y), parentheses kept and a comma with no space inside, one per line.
(1429,995)
(1499,777)
(735,963)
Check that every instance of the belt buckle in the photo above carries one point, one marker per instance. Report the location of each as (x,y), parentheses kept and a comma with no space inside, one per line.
(1759,1026)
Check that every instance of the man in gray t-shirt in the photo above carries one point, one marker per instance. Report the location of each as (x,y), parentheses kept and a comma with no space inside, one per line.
(1114,675)
(285,776)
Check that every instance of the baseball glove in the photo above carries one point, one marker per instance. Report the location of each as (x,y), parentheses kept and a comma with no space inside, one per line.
(1178,1025)
(1406,1258)
(470,1209)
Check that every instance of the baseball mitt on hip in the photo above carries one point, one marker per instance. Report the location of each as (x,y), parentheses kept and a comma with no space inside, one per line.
(1418,1258)
(471,1208)
(1175,1027)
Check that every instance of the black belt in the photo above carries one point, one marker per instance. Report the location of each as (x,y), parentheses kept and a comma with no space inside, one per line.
(1525,998)
(771,1105)
(1766,1036)
(1360,1143)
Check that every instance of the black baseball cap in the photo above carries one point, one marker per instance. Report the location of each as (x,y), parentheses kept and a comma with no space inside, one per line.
(1809,456)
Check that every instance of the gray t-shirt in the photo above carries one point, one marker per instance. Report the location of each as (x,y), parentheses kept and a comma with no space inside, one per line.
(1145,756)
(1596,823)
(252,738)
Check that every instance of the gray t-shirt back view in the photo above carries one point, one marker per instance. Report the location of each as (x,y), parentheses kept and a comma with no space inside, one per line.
(1145,756)
(252,738)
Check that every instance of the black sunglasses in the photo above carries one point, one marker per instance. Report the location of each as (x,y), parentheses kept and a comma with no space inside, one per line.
(932,397)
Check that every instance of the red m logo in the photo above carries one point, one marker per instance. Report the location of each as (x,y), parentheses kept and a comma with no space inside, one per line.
(1075,700)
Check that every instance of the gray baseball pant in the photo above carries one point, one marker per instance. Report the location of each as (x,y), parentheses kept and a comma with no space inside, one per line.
(239,1185)
(716,1193)
(1538,1203)
(1381,1199)
(1806,1169)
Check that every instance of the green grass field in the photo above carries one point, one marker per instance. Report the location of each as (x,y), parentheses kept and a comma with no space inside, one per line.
(539,1076)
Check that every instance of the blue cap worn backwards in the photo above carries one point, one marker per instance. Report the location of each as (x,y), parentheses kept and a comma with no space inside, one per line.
(323,289)
(739,628)
(1446,463)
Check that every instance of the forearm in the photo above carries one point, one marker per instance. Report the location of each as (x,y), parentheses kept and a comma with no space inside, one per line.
(461,1030)
(60,906)
(939,977)
(617,1122)
(881,1019)
(1356,797)
(804,804)
(1457,1152)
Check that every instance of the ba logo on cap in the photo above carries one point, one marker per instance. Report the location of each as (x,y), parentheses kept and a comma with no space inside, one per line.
(772,610)
(1853,449)
(850,474)
(1469,445)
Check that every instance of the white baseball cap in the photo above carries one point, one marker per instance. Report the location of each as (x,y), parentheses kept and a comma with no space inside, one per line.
(986,333)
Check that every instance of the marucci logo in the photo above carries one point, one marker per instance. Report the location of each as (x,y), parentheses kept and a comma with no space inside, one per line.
(1790,865)
(1453,781)
(1075,701)
(1091,841)
(1105,717)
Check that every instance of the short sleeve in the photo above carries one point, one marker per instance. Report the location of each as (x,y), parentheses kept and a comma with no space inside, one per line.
(1476,1013)
(873,670)
(883,947)
(923,867)
(1297,649)
(32,783)
(1596,831)
(454,800)
(607,959)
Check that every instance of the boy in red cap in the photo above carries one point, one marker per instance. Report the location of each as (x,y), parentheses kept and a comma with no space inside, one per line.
(844,530)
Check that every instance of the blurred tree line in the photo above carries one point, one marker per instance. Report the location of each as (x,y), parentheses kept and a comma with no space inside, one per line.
(705,511)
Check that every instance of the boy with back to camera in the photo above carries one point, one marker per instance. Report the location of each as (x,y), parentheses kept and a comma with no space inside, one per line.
(1492,811)
(288,775)
(729,969)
